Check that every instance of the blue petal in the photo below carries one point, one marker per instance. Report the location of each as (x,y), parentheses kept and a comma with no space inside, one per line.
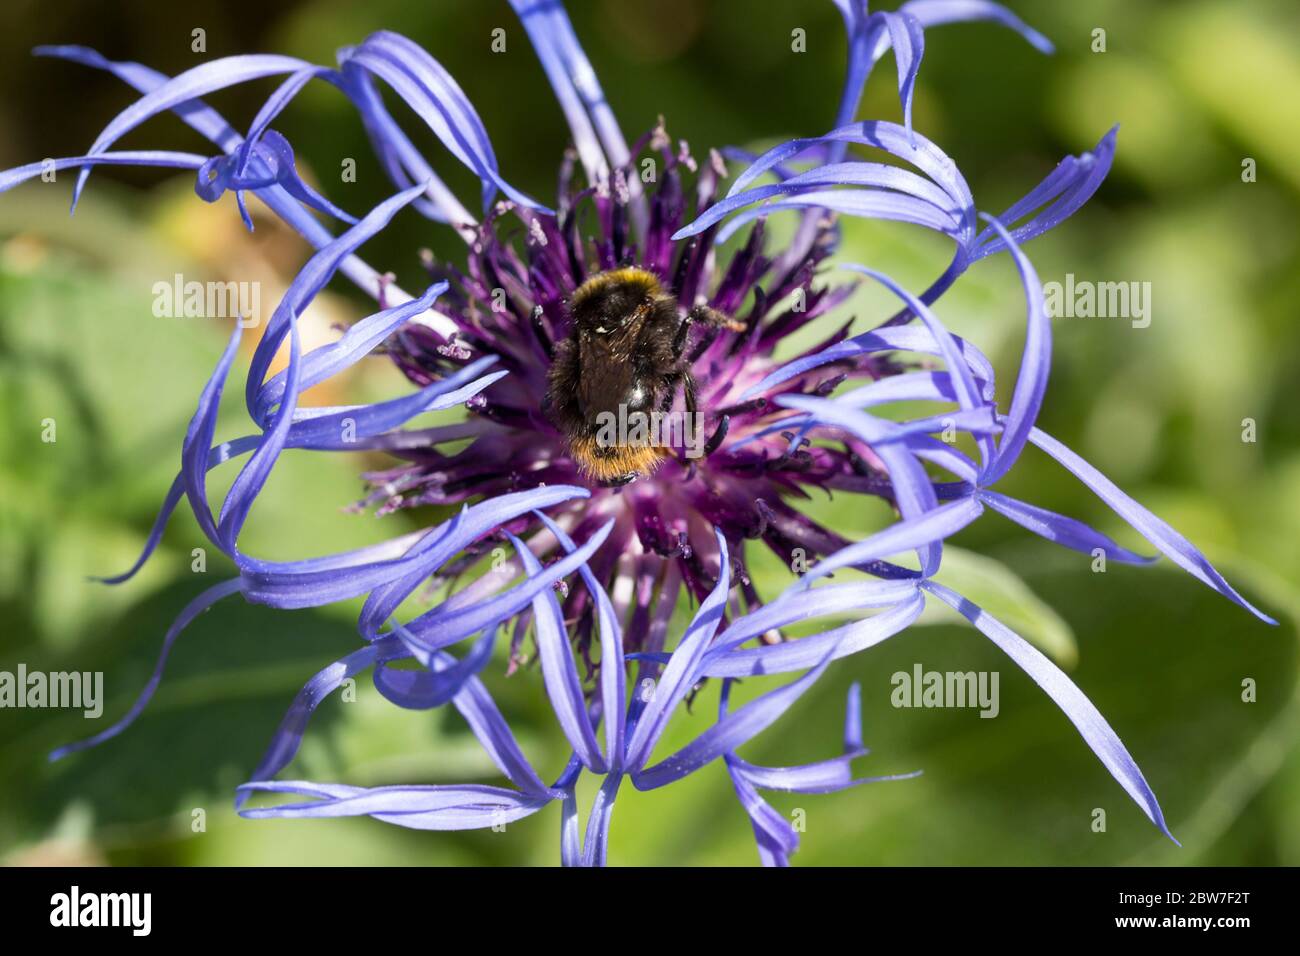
(931,525)
(424,689)
(157,157)
(613,675)
(935,12)
(441,544)
(853,720)
(570,832)
(399,157)
(864,203)
(596,135)
(253,476)
(1172,544)
(464,807)
(681,673)
(1062,193)
(192,610)
(795,606)
(945,456)
(480,711)
(310,280)
(963,381)
(1031,383)
(595,849)
(441,627)
(871,36)
(1064,531)
(895,338)
(922,386)
(193,83)
(198,440)
(1091,725)
(275,165)
(288,736)
(322,434)
(731,731)
(775,836)
(337,577)
(825,776)
(323,428)
(908,40)
(976,421)
(559,669)
(913,491)
(807,651)
(931,206)
(913,149)
(210,124)
(437,99)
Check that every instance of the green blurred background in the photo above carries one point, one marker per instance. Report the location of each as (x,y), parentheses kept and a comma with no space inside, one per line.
(1197,86)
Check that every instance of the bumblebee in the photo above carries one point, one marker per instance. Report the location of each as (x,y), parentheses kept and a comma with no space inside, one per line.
(624,355)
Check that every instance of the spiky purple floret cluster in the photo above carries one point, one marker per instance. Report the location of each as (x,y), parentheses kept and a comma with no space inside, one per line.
(780,427)
(510,302)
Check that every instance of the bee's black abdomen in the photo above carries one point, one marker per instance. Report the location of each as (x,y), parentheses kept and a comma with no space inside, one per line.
(623,355)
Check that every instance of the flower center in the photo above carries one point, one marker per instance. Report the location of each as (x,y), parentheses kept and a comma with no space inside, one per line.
(629,364)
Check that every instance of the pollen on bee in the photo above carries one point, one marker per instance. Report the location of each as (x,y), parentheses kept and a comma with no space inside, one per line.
(603,462)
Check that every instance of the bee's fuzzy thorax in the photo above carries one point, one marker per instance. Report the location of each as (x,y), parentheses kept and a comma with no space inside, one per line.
(631,276)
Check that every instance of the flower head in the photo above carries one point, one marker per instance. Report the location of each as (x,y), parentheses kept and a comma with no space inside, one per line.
(500,331)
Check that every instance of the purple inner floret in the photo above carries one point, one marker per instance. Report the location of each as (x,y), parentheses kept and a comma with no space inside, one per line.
(510,301)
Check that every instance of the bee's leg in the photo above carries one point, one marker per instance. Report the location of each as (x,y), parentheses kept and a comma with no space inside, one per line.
(689,393)
(702,315)
(679,340)
(683,379)
(707,316)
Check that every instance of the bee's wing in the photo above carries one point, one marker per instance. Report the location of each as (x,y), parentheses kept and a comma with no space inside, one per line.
(607,372)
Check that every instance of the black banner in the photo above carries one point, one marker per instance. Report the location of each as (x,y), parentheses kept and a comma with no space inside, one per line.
(334,905)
